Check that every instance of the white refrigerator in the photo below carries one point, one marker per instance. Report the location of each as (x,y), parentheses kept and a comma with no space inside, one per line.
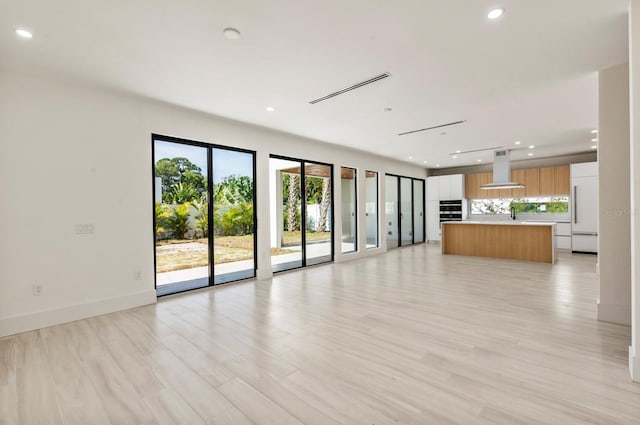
(584,207)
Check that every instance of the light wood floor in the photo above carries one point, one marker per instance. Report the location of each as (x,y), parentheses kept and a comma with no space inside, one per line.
(407,337)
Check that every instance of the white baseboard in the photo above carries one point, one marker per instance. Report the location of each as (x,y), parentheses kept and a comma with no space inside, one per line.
(614,313)
(634,366)
(41,319)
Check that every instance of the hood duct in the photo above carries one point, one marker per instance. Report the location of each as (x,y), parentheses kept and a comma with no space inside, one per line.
(502,172)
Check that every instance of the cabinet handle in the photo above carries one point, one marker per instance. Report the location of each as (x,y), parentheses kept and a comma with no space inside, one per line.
(575,204)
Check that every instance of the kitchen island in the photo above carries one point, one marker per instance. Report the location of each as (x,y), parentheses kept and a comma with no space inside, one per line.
(514,240)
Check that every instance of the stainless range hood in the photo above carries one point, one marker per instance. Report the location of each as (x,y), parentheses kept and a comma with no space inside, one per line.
(502,172)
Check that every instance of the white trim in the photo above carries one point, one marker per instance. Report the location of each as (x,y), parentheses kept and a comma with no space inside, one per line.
(41,319)
(614,313)
(634,366)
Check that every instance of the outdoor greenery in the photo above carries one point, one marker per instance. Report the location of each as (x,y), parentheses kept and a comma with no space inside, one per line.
(317,191)
(182,216)
(558,205)
(184,209)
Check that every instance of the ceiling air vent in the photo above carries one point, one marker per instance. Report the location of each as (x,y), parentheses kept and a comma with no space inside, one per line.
(353,87)
(432,128)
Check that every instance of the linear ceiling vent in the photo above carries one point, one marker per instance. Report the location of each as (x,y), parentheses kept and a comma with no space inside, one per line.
(353,87)
(502,172)
(432,128)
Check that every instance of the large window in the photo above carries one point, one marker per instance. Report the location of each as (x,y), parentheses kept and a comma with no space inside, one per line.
(301,213)
(198,242)
(557,205)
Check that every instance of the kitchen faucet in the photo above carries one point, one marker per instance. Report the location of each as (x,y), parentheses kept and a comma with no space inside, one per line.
(513,213)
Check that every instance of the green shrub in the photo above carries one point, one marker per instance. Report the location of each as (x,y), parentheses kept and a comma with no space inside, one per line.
(163,212)
(179,221)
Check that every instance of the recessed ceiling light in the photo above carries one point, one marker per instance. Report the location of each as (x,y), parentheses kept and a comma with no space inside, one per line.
(594,131)
(24,33)
(496,13)
(437,165)
(270,108)
(454,156)
(231,33)
(530,154)
(518,142)
(410,157)
(594,147)
(479,160)
(458,151)
(425,161)
(594,139)
(531,146)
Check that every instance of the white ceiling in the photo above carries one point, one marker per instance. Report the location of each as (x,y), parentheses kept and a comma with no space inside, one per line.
(529,76)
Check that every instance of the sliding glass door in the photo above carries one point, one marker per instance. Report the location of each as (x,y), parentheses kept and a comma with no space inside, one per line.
(233,215)
(404,208)
(301,213)
(318,209)
(182,249)
(204,214)
(349,183)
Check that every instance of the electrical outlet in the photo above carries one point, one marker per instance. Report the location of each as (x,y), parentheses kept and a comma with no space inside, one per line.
(137,275)
(37,290)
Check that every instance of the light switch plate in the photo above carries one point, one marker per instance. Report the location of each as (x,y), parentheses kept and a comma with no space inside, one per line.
(85,229)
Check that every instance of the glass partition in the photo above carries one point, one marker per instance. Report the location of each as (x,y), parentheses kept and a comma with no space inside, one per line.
(418,211)
(348,182)
(371,213)
(406,211)
(391,211)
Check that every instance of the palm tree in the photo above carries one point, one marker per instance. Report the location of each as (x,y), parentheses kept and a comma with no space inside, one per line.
(324,205)
(292,203)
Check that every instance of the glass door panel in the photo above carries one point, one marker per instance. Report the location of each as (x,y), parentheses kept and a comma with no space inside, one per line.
(286,213)
(406,211)
(233,215)
(317,187)
(418,211)
(348,182)
(391,210)
(181,216)
(371,208)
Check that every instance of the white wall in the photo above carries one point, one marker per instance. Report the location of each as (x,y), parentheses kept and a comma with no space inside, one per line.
(634,72)
(74,155)
(614,242)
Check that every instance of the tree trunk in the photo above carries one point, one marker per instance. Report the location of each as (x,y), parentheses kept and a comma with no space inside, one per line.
(324,206)
(293,202)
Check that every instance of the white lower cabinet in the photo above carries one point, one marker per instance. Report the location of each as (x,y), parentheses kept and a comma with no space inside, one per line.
(584,243)
(563,242)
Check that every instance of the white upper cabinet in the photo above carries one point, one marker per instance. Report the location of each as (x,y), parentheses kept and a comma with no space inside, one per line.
(456,186)
(433,188)
(584,169)
(445,188)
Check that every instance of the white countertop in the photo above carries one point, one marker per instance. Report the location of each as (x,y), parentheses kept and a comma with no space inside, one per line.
(503,222)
